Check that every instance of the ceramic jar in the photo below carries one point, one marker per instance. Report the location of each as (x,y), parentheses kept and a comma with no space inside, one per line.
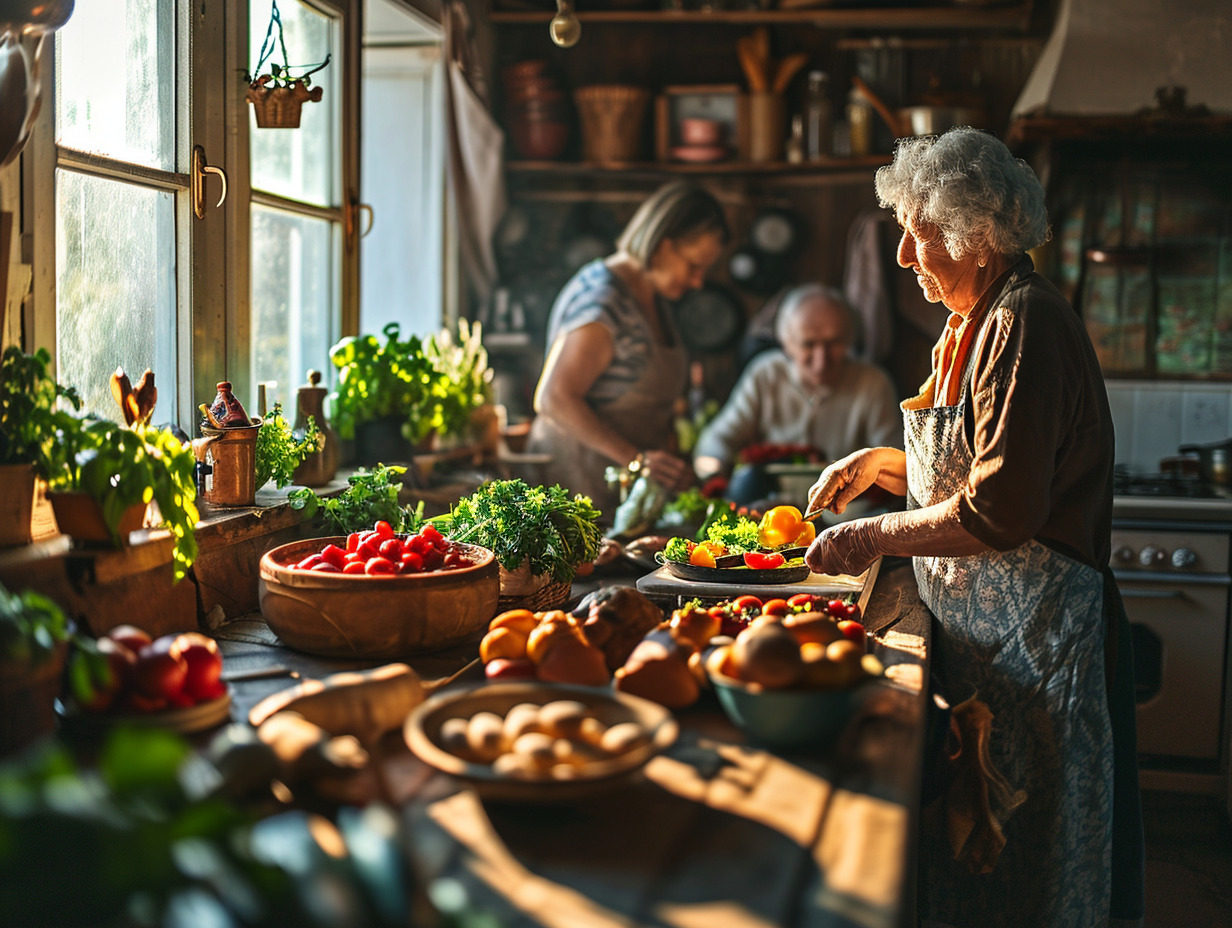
(319,467)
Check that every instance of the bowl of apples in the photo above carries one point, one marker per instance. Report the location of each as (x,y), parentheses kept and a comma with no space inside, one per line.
(127,676)
(378,594)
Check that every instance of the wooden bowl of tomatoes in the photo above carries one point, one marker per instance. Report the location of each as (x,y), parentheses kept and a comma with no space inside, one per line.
(410,594)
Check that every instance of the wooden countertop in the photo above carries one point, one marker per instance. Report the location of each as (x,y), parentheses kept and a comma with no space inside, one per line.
(717,832)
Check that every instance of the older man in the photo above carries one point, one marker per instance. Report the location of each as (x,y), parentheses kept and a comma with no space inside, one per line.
(810,392)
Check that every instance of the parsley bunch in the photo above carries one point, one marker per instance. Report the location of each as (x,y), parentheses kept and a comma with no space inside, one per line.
(279,452)
(370,495)
(734,532)
(543,526)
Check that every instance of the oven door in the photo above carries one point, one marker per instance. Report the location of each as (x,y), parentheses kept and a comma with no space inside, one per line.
(1179,627)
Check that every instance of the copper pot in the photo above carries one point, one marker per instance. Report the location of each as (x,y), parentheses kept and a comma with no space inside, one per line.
(230,458)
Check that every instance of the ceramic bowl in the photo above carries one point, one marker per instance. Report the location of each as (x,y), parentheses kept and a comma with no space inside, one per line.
(789,718)
(382,618)
(423,728)
(701,132)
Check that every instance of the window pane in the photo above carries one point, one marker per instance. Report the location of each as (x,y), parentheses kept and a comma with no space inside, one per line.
(115,288)
(298,163)
(293,295)
(115,81)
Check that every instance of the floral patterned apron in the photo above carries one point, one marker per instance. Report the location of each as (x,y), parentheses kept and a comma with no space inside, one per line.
(1023,631)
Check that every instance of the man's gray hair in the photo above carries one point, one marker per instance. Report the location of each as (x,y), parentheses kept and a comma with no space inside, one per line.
(799,296)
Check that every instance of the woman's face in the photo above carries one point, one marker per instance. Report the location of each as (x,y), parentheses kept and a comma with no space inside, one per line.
(942,279)
(679,265)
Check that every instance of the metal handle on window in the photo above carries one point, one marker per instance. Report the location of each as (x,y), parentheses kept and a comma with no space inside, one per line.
(199,169)
(352,216)
(366,208)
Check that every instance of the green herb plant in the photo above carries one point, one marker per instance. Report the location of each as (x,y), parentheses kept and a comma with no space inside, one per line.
(371,495)
(543,527)
(30,399)
(465,381)
(123,466)
(31,628)
(378,379)
(279,451)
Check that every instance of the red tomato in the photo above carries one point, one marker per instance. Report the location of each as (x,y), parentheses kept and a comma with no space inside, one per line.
(733,625)
(432,535)
(383,529)
(746,603)
(758,561)
(853,611)
(380,567)
(775,607)
(853,630)
(433,559)
(411,562)
(391,548)
(368,549)
(417,543)
(837,608)
(332,554)
(353,558)
(354,567)
(717,612)
(310,562)
(352,541)
(325,567)
(803,601)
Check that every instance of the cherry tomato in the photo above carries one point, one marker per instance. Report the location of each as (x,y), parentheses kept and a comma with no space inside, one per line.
(853,611)
(775,607)
(433,559)
(837,608)
(352,541)
(368,549)
(353,567)
(758,561)
(325,568)
(717,612)
(353,557)
(733,625)
(417,543)
(747,603)
(853,630)
(332,554)
(802,601)
(391,548)
(383,529)
(412,562)
(379,567)
(311,561)
(432,535)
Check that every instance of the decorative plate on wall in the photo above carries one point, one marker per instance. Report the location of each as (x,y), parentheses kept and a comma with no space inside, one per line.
(710,319)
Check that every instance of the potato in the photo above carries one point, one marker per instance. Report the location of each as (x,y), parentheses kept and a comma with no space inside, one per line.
(562,718)
(768,654)
(519,720)
(453,737)
(591,730)
(484,734)
(623,737)
(515,767)
(577,753)
(537,747)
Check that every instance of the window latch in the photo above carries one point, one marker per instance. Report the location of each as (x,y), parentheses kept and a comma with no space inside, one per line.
(199,169)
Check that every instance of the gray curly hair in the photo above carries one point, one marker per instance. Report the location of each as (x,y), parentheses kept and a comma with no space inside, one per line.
(980,197)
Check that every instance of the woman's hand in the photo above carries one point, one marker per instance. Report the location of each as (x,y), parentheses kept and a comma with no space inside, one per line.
(667,469)
(848,477)
(846,548)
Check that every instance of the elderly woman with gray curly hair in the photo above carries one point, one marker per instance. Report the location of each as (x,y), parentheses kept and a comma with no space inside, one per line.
(1008,477)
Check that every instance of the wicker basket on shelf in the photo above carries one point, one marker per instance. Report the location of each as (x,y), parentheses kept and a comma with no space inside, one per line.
(612,117)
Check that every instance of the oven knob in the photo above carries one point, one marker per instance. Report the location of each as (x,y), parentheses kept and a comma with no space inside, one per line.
(1183,558)
(1151,556)
(1123,555)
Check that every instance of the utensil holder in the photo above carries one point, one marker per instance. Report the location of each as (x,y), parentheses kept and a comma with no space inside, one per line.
(612,118)
(767,126)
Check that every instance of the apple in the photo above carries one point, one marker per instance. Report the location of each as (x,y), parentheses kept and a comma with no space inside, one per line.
(130,636)
(98,673)
(160,670)
(510,668)
(204,661)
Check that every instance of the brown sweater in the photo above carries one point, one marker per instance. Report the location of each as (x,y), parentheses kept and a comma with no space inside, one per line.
(1038,425)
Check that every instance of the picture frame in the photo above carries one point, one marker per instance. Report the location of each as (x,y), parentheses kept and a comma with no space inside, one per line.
(721,103)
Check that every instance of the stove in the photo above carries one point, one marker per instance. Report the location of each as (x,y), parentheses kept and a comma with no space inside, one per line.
(1172,559)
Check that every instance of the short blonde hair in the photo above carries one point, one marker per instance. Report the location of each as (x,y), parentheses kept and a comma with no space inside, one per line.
(675,211)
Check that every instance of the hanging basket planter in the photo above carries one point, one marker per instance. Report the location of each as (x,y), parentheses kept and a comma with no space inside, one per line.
(279,94)
(280,107)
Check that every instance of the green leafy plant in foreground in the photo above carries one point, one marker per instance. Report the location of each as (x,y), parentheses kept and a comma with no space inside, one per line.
(29,400)
(279,452)
(31,626)
(545,527)
(370,495)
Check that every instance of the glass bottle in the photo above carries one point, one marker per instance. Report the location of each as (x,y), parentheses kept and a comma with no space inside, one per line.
(795,142)
(860,122)
(227,412)
(818,116)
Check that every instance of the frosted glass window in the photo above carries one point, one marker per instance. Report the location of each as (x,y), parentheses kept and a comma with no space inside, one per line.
(115,288)
(293,291)
(115,81)
(299,163)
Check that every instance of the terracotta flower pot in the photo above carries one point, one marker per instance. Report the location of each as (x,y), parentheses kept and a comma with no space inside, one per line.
(80,516)
(17,488)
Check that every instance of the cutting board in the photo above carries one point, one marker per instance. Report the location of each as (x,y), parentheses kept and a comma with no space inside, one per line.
(662,583)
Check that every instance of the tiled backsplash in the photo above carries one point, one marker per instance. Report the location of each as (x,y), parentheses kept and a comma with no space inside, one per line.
(1153,419)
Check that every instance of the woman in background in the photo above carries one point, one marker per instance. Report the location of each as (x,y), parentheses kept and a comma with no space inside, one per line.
(615,365)
(1008,478)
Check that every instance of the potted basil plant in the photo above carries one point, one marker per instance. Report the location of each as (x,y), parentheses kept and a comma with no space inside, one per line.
(29,399)
(105,476)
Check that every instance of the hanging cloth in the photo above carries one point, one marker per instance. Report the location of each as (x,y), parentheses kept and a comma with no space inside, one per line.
(475,148)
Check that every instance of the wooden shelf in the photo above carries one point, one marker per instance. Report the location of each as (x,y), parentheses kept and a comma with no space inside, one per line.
(1030,129)
(990,19)
(830,166)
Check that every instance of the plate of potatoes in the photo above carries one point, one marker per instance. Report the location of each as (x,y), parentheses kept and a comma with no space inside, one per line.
(539,742)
